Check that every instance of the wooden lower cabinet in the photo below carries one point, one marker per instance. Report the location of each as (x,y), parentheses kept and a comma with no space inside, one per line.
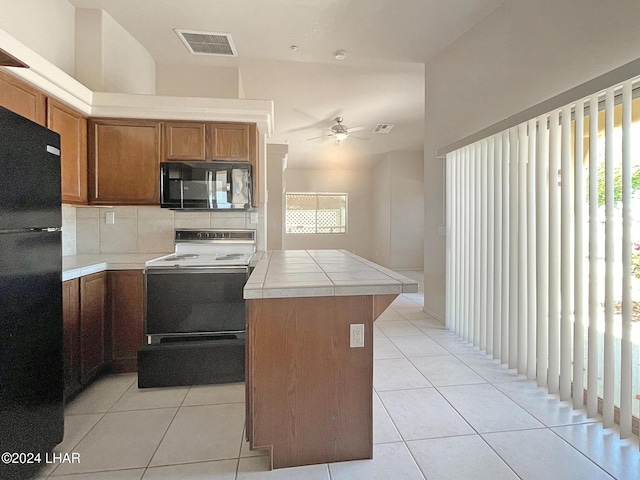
(103,317)
(125,317)
(71,323)
(93,289)
(309,395)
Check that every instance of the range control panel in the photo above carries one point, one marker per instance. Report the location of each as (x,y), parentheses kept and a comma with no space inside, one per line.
(236,236)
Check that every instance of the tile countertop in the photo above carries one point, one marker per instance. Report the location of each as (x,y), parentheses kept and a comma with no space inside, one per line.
(317,273)
(74,266)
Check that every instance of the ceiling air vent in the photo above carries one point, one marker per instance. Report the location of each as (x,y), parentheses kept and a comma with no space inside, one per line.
(207,43)
(383,128)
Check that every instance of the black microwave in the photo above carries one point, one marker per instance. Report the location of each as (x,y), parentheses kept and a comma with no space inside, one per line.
(205,185)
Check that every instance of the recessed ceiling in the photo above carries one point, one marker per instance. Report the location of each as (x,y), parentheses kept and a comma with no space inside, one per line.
(381,80)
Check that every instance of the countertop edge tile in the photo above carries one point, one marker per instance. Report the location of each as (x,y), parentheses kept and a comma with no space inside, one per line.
(75,266)
(386,281)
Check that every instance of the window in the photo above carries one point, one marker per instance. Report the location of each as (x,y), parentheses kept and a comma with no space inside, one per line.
(316,213)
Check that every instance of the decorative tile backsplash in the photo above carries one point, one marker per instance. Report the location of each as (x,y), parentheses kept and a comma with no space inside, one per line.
(136,229)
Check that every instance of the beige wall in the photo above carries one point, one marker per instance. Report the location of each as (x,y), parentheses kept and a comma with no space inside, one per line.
(276,160)
(110,59)
(521,54)
(381,212)
(198,81)
(397,199)
(407,210)
(356,183)
(45,26)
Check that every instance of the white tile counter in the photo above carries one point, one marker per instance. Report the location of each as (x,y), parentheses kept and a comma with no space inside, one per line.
(317,273)
(74,266)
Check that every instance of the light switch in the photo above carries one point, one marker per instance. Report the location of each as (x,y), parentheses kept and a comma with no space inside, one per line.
(110,218)
(254,217)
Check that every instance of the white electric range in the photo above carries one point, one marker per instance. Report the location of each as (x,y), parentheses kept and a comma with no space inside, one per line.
(201,248)
(195,312)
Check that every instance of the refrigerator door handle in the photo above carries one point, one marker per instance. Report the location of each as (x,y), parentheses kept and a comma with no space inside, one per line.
(53,150)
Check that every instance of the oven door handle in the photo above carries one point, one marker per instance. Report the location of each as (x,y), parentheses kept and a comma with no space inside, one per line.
(204,269)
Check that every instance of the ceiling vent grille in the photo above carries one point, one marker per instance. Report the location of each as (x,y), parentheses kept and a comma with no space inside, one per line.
(382,128)
(208,43)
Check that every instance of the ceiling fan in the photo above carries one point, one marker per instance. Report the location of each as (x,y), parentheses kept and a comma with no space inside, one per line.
(341,132)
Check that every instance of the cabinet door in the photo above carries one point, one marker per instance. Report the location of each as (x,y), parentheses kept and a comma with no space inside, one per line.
(228,141)
(124,162)
(20,97)
(92,313)
(125,318)
(71,323)
(184,141)
(72,127)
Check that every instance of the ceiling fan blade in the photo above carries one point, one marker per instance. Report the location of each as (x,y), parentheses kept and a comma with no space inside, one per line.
(320,136)
(356,129)
(358,137)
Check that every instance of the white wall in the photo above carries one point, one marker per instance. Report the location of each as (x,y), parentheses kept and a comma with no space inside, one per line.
(198,81)
(356,183)
(110,59)
(45,26)
(521,54)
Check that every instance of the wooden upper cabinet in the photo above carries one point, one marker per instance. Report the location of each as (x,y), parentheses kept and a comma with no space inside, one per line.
(184,141)
(21,98)
(228,141)
(124,162)
(72,127)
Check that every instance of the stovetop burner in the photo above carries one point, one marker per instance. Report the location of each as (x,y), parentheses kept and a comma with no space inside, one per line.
(181,256)
(229,256)
(208,247)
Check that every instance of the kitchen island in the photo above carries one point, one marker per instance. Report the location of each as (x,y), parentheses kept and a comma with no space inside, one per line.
(309,392)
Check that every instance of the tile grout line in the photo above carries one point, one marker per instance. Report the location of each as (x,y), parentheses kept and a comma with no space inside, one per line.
(581,452)
(165,433)
(102,415)
(546,427)
(457,412)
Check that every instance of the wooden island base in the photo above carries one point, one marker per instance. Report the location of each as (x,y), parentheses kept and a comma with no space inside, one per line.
(309,395)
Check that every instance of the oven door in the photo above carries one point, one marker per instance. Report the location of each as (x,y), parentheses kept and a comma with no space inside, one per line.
(194,301)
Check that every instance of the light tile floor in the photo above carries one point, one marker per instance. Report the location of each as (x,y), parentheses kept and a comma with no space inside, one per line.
(442,410)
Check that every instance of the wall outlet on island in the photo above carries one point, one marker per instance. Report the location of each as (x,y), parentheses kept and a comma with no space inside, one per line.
(356,337)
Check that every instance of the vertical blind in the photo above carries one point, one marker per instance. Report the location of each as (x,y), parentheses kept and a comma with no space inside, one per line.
(543,251)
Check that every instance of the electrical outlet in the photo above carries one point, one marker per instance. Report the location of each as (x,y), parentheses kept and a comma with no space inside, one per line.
(356,335)
(110,218)
(254,217)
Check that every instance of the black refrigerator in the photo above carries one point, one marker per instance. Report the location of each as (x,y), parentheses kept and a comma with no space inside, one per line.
(31,341)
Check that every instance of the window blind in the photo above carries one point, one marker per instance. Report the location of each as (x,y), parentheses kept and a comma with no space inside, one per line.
(541,241)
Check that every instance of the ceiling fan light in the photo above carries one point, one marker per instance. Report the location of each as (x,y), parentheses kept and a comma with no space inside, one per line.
(341,136)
